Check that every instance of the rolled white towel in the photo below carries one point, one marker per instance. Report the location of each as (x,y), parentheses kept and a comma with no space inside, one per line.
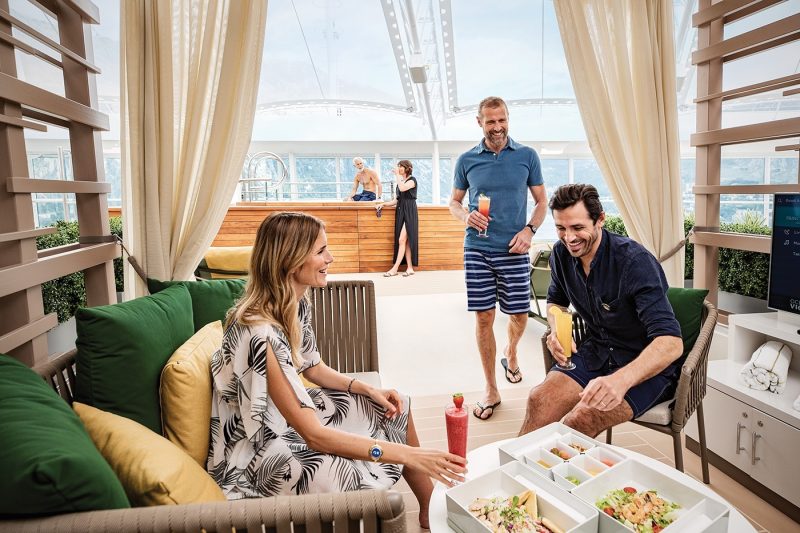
(768,368)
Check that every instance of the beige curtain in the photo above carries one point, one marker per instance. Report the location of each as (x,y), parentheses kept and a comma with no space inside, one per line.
(190,72)
(622,64)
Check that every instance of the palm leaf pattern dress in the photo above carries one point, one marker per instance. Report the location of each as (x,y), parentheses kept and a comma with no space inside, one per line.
(254,452)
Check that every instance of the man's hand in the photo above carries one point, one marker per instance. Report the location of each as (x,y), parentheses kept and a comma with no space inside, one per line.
(556,349)
(476,220)
(521,242)
(604,393)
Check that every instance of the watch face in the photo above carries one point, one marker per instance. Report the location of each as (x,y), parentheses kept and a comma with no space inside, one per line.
(375,452)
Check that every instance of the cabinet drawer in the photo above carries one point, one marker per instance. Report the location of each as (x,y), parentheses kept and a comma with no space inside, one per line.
(776,446)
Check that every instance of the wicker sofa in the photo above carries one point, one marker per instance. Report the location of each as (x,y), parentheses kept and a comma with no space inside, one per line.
(344,320)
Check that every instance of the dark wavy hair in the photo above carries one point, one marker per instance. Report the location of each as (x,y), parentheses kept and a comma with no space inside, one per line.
(569,195)
(407,166)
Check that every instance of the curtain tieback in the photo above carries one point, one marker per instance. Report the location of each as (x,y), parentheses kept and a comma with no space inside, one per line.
(132,260)
(677,246)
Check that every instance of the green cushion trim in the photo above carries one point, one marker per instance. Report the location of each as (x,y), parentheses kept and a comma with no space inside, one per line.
(687,304)
(48,461)
(211,299)
(122,349)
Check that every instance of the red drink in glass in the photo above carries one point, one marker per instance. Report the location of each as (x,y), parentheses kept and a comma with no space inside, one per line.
(483,209)
(456,420)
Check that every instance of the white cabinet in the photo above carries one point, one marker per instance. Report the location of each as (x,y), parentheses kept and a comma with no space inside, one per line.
(758,432)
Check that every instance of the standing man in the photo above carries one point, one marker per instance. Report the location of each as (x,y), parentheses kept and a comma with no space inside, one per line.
(368,179)
(498,266)
(631,356)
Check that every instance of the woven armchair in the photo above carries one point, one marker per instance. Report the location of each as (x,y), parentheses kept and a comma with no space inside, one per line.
(688,396)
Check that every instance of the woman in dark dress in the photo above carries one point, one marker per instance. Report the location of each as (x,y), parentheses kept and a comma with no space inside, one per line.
(406,221)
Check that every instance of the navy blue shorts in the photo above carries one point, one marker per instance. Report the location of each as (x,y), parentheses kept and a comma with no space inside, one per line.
(366,196)
(493,276)
(640,397)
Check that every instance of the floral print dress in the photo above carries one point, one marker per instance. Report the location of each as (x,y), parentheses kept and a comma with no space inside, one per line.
(254,452)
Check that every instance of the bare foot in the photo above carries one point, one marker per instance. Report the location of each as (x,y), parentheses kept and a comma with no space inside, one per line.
(424,523)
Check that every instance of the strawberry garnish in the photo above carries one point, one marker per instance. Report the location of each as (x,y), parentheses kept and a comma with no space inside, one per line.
(458,400)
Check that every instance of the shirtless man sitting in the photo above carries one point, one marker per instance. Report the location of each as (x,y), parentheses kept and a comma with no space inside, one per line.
(368,179)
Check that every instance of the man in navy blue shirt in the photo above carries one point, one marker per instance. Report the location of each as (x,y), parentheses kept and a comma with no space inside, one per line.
(629,360)
(496,264)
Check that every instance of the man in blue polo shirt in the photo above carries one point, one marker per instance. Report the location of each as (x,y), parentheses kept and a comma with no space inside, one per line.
(630,357)
(497,265)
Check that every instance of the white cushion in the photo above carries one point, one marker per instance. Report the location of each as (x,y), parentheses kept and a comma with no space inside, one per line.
(659,414)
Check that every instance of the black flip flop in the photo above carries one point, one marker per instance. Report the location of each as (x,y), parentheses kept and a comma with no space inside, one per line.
(514,373)
(482,409)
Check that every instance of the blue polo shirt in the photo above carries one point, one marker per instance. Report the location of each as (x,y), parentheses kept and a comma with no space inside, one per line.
(505,178)
(623,300)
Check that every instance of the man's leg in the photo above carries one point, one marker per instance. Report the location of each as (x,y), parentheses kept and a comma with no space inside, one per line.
(516,327)
(549,401)
(484,333)
(591,421)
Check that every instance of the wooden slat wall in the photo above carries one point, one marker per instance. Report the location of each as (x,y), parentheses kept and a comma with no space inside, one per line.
(359,241)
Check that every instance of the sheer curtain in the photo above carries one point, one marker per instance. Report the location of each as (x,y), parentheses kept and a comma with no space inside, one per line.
(622,63)
(190,72)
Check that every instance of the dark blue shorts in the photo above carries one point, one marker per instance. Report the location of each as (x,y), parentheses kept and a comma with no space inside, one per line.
(366,196)
(640,397)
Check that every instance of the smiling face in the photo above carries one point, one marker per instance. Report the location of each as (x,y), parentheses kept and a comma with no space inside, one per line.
(578,232)
(314,271)
(359,166)
(494,123)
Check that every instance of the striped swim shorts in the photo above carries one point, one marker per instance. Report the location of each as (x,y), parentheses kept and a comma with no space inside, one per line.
(497,275)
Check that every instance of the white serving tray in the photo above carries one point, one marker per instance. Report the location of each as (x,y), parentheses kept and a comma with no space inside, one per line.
(698,512)
(517,448)
(565,510)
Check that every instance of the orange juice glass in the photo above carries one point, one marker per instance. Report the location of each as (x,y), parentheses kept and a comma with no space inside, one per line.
(564,334)
(483,209)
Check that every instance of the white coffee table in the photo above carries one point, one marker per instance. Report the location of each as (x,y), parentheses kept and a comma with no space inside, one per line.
(486,458)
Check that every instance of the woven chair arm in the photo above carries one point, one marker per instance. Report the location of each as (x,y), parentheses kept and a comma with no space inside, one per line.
(692,382)
(375,511)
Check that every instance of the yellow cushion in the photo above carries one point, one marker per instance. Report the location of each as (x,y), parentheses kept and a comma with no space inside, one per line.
(186,392)
(233,258)
(152,470)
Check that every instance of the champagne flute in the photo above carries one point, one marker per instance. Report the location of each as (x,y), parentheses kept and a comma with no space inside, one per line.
(483,209)
(563,321)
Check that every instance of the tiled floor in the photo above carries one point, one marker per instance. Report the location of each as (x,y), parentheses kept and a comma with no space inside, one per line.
(427,349)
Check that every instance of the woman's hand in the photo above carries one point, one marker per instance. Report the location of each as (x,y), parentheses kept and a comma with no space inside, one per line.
(379,206)
(441,466)
(389,399)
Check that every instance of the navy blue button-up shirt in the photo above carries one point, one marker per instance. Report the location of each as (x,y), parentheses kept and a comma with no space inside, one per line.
(623,300)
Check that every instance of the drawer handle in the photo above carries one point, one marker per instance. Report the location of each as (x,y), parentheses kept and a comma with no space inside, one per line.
(739,446)
(753,457)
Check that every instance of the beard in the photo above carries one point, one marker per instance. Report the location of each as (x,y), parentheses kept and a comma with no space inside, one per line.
(580,247)
(497,137)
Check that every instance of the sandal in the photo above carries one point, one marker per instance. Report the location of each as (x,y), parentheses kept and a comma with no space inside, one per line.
(389,275)
(480,409)
(516,376)
(406,274)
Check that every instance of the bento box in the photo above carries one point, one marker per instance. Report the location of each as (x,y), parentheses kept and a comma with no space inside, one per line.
(630,479)
(554,504)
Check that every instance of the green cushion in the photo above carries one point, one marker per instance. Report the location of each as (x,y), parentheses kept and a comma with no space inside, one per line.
(211,299)
(122,349)
(48,461)
(687,304)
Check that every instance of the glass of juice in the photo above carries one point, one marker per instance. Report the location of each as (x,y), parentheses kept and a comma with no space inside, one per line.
(456,420)
(483,209)
(564,334)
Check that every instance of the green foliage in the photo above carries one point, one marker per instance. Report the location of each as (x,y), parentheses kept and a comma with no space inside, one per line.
(740,272)
(64,295)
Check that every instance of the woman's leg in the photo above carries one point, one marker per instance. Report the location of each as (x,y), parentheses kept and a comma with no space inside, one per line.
(421,485)
(409,265)
(402,239)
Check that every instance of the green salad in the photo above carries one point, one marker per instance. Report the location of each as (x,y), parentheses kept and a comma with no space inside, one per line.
(644,512)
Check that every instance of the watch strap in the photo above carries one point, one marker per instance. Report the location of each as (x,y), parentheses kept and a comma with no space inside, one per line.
(533,228)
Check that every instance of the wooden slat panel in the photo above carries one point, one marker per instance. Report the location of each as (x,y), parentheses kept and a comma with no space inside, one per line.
(791,92)
(88,11)
(777,129)
(19,277)
(745,189)
(719,10)
(26,94)
(755,88)
(738,241)
(28,185)
(787,148)
(44,117)
(14,121)
(44,39)
(26,234)
(29,49)
(749,41)
(28,332)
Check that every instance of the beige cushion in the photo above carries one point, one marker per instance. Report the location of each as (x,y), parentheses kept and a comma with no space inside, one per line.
(186,392)
(152,470)
(659,414)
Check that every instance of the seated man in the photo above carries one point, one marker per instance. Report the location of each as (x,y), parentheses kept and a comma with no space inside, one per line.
(368,179)
(629,358)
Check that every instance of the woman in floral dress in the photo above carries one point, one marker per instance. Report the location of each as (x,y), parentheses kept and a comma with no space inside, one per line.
(269,434)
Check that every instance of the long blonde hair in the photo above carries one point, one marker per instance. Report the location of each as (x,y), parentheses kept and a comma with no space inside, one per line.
(283,243)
